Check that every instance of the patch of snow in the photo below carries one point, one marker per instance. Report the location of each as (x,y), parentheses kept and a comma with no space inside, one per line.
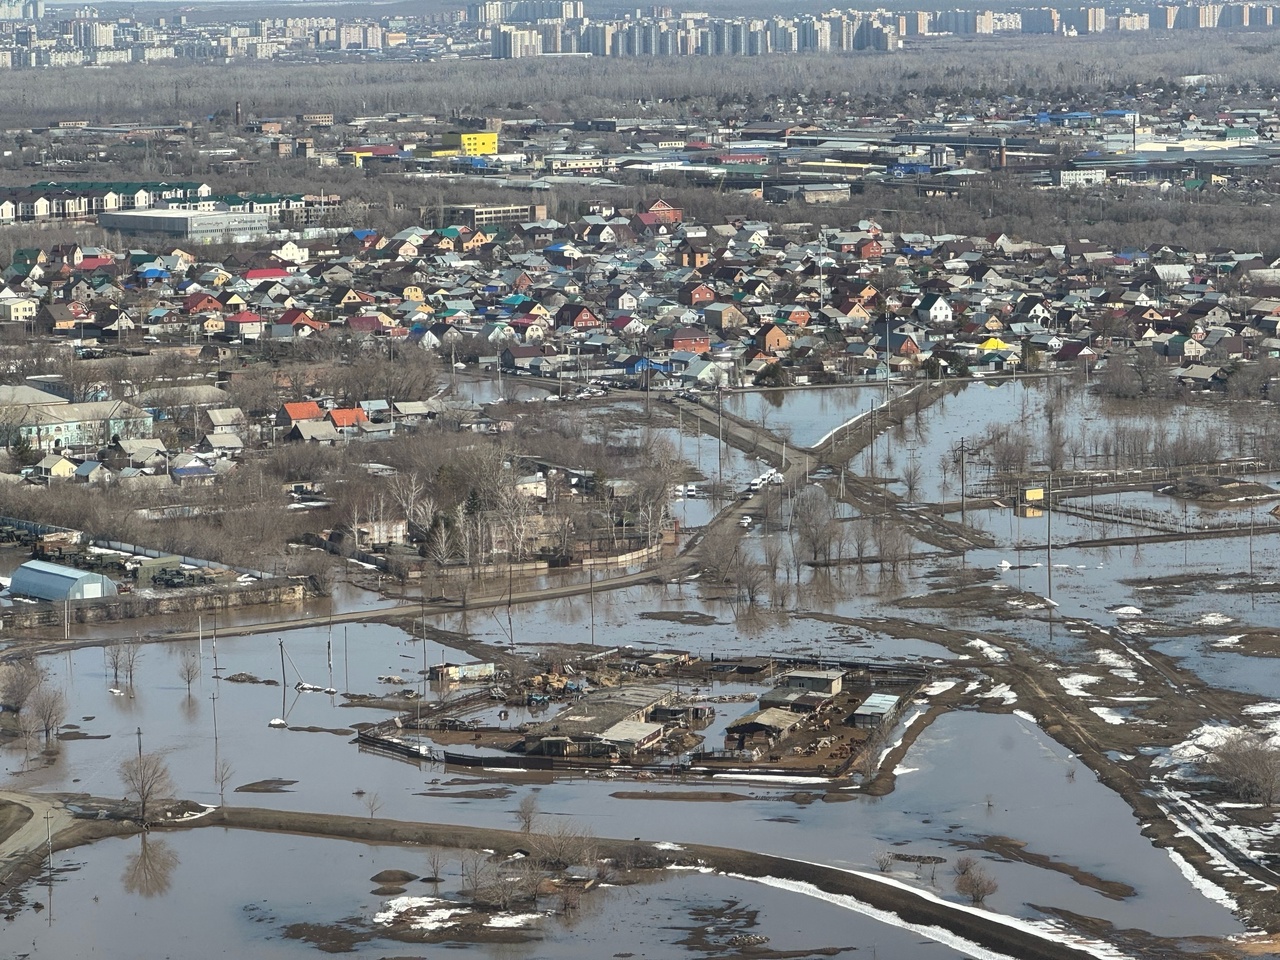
(508,920)
(906,723)
(768,778)
(972,686)
(1228,641)
(901,771)
(1125,611)
(278,723)
(1109,715)
(1023,715)
(690,866)
(988,650)
(1045,930)
(667,845)
(1213,620)
(1259,709)
(1000,692)
(937,688)
(1202,740)
(1075,684)
(421,913)
(1206,887)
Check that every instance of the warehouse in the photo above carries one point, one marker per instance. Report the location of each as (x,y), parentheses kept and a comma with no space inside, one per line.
(192,225)
(41,580)
(604,722)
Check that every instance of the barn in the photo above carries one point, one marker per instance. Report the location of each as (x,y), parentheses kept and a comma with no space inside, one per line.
(41,580)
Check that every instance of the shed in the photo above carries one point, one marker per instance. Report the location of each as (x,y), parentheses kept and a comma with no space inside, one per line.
(762,727)
(829,682)
(875,710)
(42,580)
(633,736)
(461,671)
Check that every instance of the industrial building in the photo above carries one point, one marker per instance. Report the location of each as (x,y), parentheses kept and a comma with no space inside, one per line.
(189,225)
(41,580)
(610,722)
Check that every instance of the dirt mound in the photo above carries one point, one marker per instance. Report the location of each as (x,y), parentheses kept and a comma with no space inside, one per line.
(267,786)
(393,876)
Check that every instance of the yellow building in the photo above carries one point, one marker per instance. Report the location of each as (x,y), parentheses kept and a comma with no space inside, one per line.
(478,143)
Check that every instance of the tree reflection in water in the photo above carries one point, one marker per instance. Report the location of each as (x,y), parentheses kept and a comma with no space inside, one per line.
(149,872)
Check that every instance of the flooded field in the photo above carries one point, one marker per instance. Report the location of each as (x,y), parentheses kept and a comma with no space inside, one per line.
(167,906)
(1063,847)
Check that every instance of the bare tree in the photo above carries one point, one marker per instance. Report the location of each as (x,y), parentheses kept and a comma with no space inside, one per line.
(772,549)
(869,760)
(527,812)
(49,706)
(752,579)
(411,495)
(132,654)
(912,476)
(372,803)
(146,778)
(1248,764)
(28,730)
(976,884)
(189,669)
(18,681)
(222,775)
(893,544)
(436,861)
(814,516)
(472,868)
(884,860)
(565,845)
(115,660)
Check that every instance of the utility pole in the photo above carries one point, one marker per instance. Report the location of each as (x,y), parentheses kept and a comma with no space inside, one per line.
(139,747)
(1048,503)
(964,489)
(720,430)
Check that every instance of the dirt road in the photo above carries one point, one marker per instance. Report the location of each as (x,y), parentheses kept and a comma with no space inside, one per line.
(48,817)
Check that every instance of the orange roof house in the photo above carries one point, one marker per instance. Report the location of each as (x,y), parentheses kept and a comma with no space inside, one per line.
(292,413)
(347,419)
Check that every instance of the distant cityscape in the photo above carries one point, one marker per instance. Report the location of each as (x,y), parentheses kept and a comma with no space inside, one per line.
(32,36)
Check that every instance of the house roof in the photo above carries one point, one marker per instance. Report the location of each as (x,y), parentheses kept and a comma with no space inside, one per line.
(343,418)
(304,410)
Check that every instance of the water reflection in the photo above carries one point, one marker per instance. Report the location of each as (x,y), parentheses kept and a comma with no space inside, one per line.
(149,871)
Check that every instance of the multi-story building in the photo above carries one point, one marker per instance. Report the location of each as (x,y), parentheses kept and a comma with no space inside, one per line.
(1041,20)
(513,43)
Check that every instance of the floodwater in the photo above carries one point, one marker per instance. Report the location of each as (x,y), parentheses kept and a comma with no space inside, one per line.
(969,777)
(804,417)
(103,901)
(940,799)
(678,616)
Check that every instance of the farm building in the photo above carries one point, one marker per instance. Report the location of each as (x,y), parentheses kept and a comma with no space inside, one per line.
(875,710)
(760,729)
(604,722)
(828,682)
(794,699)
(41,580)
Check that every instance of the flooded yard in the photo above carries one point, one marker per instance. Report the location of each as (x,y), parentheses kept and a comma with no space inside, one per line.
(165,905)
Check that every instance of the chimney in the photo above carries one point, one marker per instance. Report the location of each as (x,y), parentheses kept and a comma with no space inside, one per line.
(1004,153)
(237,114)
